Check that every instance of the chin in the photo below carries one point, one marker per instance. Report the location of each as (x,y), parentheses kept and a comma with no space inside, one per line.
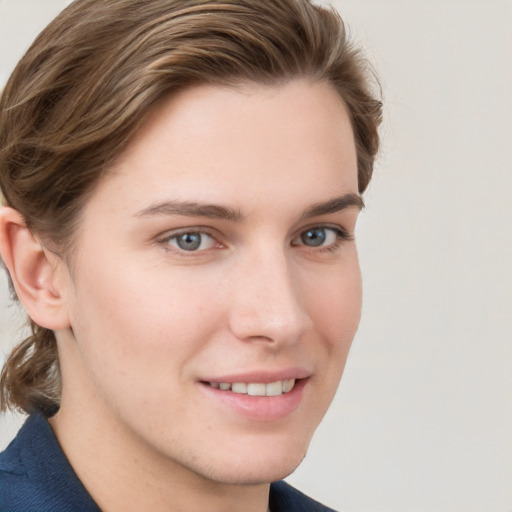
(254,471)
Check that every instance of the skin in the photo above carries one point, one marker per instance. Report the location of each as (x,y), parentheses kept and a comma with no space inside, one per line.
(142,323)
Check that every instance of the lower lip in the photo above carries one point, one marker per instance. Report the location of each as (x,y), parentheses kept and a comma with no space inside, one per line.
(259,408)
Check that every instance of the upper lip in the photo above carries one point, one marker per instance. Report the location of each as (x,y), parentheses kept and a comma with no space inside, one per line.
(261,376)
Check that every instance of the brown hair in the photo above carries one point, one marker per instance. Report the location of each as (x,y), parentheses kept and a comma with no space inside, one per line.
(82,89)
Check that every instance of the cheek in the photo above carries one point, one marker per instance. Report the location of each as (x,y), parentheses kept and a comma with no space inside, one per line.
(136,336)
(335,305)
(131,319)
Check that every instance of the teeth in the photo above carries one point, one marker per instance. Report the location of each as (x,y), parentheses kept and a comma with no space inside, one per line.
(256,388)
(274,388)
(288,385)
(239,387)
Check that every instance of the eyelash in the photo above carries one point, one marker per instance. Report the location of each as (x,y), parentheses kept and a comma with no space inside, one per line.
(340,234)
(166,242)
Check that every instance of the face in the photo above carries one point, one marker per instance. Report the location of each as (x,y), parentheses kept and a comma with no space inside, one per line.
(215,288)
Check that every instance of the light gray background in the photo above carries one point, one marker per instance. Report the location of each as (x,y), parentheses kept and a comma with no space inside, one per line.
(423,419)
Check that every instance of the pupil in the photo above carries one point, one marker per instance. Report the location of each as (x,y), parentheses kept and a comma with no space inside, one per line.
(189,241)
(314,237)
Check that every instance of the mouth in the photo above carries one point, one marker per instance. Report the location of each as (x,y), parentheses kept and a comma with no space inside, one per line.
(258,397)
(276,388)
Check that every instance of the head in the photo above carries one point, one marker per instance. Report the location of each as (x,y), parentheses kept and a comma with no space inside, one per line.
(89,102)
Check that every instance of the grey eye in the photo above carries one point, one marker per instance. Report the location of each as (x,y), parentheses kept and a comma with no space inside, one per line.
(189,241)
(314,237)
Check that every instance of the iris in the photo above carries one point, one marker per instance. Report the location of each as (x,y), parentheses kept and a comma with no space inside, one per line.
(314,237)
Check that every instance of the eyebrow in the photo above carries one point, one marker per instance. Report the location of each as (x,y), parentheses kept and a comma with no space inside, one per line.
(334,205)
(214,211)
(193,209)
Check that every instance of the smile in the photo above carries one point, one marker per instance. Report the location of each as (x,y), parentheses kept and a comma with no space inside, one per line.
(256,388)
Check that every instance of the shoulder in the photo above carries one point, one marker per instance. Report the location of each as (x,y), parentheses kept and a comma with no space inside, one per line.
(35,475)
(285,498)
(16,487)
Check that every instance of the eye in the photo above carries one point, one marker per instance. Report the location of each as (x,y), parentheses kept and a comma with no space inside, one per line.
(321,236)
(315,237)
(191,241)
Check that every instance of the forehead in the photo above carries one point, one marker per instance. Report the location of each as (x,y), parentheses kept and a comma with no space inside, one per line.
(220,143)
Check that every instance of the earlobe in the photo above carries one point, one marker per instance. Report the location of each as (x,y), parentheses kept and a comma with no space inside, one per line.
(33,270)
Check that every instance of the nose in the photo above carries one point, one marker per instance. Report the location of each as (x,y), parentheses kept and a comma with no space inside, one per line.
(268,301)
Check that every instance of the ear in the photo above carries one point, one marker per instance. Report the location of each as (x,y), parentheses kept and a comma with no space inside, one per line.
(34,271)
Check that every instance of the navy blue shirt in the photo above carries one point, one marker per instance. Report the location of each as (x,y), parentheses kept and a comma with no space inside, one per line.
(35,476)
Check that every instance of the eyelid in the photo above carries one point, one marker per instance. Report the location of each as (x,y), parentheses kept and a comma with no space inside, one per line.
(340,232)
(165,238)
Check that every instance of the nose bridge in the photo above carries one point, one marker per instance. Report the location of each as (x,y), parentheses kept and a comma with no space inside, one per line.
(268,302)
